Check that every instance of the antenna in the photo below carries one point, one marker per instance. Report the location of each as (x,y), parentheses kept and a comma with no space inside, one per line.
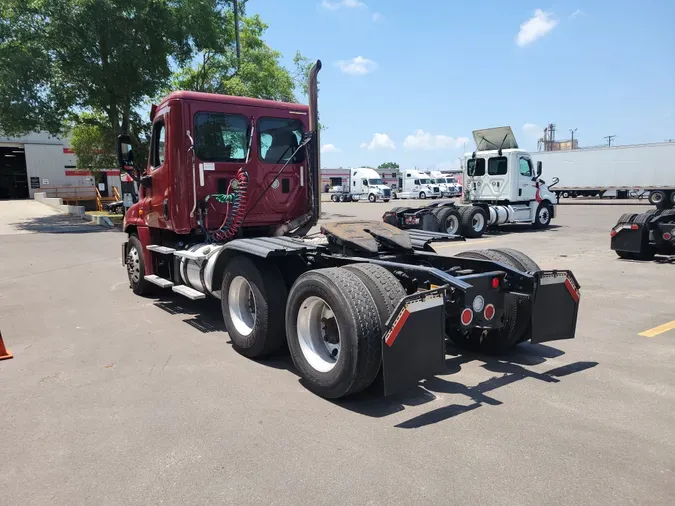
(609,139)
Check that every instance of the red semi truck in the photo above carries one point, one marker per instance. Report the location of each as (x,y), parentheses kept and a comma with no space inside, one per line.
(227,199)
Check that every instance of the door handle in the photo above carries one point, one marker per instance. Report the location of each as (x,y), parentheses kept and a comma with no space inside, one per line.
(520,192)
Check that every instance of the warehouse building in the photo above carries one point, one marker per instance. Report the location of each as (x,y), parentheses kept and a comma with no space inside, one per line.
(40,162)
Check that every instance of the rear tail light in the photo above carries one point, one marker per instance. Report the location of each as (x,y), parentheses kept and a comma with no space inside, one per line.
(495,282)
(489,312)
(667,236)
(612,233)
(634,227)
(467,316)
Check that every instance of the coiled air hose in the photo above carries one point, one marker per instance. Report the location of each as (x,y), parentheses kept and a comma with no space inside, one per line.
(235,217)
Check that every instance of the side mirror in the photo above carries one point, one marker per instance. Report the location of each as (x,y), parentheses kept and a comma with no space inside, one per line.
(539,166)
(125,155)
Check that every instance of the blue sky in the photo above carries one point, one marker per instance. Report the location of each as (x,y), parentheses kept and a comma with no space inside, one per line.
(408,81)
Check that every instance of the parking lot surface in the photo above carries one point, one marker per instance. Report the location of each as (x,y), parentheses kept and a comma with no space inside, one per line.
(116,399)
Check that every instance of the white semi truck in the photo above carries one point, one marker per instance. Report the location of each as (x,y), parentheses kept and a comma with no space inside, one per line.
(414,184)
(618,171)
(502,185)
(363,184)
(448,184)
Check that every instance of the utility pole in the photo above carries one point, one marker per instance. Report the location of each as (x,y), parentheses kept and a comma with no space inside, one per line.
(236,29)
(609,139)
(572,132)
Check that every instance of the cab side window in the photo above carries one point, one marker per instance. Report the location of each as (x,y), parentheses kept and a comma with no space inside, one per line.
(364,182)
(497,166)
(525,167)
(158,143)
(475,167)
(417,181)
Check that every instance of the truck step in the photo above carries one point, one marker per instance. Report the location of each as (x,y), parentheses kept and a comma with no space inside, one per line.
(161,282)
(190,255)
(188,292)
(162,250)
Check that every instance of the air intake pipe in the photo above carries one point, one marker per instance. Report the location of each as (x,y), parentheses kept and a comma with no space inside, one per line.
(314,146)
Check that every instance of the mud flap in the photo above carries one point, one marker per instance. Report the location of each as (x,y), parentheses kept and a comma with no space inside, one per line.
(414,342)
(556,305)
(628,237)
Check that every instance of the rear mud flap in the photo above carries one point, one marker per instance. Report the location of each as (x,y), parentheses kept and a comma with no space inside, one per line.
(556,305)
(628,237)
(413,346)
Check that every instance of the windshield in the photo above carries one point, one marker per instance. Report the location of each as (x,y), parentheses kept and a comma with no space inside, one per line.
(432,180)
(425,181)
(375,182)
(450,180)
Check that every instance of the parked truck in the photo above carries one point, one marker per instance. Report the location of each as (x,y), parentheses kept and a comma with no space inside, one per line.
(449,185)
(617,171)
(229,202)
(363,183)
(501,186)
(645,235)
(414,184)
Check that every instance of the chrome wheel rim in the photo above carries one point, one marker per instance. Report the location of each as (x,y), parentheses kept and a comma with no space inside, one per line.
(544,215)
(134,265)
(242,305)
(318,334)
(477,222)
(451,224)
(657,198)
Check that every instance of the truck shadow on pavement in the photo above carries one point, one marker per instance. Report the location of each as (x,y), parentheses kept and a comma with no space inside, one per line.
(59,224)
(526,228)
(510,369)
(206,317)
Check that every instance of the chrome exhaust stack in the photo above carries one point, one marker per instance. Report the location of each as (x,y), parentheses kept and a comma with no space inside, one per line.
(314,145)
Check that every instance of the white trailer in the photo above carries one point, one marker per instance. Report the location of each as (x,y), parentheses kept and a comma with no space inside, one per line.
(617,170)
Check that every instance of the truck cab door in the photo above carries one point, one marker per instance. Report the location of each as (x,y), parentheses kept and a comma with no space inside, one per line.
(157,197)
(527,188)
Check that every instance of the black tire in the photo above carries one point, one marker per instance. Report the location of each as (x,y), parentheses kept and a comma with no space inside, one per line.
(385,200)
(647,251)
(565,194)
(449,218)
(517,313)
(334,198)
(422,195)
(657,197)
(267,291)
(372,198)
(358,322)
(672,198)
(542,218)
(519,260)
(385,289)
(342,198)
(626,218)
(136,268)
(645,217)
(470,218)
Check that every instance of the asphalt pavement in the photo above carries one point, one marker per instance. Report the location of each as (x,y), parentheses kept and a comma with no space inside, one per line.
(117,399)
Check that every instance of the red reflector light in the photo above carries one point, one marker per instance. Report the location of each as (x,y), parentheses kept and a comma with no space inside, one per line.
(467,316)
(634,227)
(495,282)
(612,233)
(667,236)
(489,312)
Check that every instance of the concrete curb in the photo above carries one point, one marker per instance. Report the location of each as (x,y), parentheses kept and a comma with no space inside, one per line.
(103,221)
(57,204)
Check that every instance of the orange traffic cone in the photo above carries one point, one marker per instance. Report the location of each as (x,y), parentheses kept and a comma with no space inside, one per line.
(4,352)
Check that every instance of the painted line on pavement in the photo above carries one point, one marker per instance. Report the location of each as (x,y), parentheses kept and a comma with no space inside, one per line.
(658,330)
(461,243)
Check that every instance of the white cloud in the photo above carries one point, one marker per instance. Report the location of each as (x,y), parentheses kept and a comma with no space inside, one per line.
(330,148)
(349,4)
(379,141)
(356,66)
(535,27)
(533,130)
(425,140)
(576,13)
(376,16)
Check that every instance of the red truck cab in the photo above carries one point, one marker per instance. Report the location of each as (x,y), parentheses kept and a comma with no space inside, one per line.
(199,142)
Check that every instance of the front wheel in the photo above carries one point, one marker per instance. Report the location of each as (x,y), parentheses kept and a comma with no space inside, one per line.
(135,262)
(372,198)
(543,217)
(423,195)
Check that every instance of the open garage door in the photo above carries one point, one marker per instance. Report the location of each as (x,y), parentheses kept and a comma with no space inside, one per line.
(13,175)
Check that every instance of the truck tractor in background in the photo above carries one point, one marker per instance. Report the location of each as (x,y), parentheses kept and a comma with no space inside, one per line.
(645,235)
(413,184)
(368,185)
(228,201)
(501,187)
(449,185)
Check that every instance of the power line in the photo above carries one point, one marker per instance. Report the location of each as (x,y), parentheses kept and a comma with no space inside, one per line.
(609,139)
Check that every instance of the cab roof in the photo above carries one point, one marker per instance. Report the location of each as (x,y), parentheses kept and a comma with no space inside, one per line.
(230,99)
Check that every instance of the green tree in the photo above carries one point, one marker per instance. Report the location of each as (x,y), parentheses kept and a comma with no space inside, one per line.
(388,165)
